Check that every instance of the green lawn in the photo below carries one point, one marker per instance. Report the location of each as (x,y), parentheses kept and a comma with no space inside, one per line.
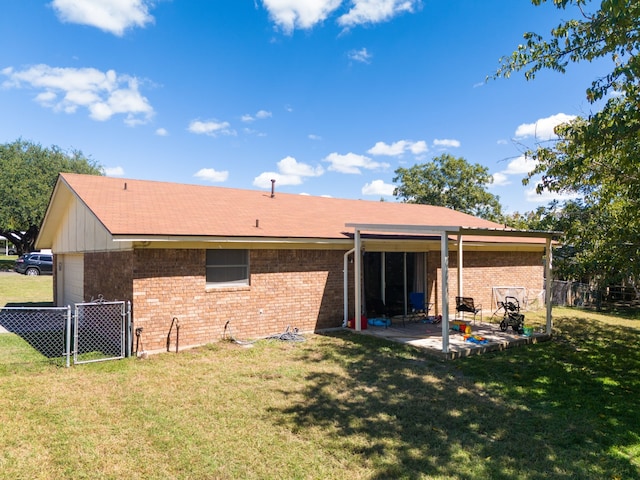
(23,289)
(341,406)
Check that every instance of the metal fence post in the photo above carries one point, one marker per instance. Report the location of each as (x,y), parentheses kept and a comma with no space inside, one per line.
(68,339)
(128,328)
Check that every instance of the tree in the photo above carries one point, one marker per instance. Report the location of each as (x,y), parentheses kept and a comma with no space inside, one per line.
(597,156)
(449,182)
(28,175)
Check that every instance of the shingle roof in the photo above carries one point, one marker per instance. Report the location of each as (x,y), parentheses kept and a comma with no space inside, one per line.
(150,208)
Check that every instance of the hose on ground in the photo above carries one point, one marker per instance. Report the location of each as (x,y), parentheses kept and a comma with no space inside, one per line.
(288,335)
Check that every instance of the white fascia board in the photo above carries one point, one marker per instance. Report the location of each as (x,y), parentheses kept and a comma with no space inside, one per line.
(391,228)
(206,239)
(450,230)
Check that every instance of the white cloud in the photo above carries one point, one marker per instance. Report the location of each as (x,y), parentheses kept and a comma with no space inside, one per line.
(112,16)
(114,171)
(352,163)
(375,11)
(290,166)
(290,172)
(398,148)
(305,14)
(291,14)
(361,55)
(418,148)
(264,179)
(312,136)
(378,187)
(212,175)
(542,129)
(162,132)
(520,165)
(213,128)
(259,115)
(500,180)
(103,94)
(446,142)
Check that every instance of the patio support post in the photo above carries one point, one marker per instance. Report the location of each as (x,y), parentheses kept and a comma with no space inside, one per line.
(444,271)
(345,286)
(460,261)
(357,257)
(547,275)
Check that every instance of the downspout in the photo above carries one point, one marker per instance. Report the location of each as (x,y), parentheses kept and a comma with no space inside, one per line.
(444,271)
(460,261)
(346,286)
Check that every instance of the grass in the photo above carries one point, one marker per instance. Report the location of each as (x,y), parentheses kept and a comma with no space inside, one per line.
(23,289)
(336,406)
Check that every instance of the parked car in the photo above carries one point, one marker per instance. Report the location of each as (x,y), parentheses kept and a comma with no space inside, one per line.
(35,263)
(12,251)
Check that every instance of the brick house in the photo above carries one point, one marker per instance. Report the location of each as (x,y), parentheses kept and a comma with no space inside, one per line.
(261,261)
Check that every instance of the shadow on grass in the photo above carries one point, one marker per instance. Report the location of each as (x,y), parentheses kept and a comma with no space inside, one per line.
(562,409)
(32,333)
(29,304)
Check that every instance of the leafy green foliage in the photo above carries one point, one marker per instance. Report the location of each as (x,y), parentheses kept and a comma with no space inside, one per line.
(450,182)
(598,156)
(29,173)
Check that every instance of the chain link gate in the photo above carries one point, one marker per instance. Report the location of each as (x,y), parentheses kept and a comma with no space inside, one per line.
(36,334)
(101,331)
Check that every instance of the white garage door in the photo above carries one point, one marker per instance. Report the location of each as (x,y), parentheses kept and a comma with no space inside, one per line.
(72,279)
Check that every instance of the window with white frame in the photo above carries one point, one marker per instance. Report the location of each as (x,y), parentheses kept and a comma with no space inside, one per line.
(227,267)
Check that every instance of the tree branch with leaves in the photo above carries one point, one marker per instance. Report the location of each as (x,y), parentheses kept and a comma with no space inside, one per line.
(28,175)
(597,156)
(450,182)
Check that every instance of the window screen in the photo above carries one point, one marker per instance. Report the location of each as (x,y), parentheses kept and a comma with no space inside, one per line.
(227,267)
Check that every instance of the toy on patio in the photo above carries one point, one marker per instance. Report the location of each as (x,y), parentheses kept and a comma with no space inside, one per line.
(480,340)
(433,319)
(512,316)
(379,322)
(351,323)
(460,326)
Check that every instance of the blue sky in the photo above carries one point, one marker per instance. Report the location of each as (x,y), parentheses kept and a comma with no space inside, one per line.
(328,97)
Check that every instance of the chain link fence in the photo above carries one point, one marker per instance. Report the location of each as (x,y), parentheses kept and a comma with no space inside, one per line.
(90,332)
(574,294)
(101,331)
(35,334)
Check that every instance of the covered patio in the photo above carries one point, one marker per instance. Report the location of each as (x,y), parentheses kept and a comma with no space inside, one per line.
(440,337)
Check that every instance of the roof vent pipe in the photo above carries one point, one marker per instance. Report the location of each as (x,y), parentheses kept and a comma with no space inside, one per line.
(273,188)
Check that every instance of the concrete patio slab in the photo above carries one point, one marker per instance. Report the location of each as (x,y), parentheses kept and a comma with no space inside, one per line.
(428,336)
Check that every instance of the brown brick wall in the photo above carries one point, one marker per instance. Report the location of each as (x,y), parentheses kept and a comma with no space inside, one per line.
(298,288)
(288,288)
(482,271)
(108,274)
